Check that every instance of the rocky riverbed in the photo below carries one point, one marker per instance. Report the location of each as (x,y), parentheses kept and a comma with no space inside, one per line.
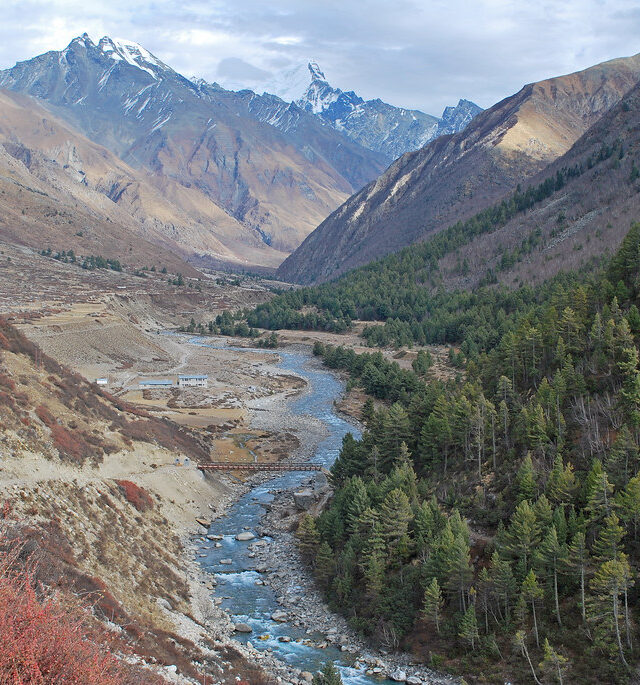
(303,604)
(273,607)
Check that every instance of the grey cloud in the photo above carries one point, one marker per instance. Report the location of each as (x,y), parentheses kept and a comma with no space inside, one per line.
(415,53)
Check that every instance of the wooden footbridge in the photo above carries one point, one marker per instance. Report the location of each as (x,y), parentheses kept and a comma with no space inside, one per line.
(254,466)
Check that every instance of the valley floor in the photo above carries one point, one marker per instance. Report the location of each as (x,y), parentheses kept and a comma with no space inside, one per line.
(115,326)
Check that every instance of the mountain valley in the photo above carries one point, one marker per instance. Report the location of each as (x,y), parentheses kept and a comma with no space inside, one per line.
(302,388)
(454,177)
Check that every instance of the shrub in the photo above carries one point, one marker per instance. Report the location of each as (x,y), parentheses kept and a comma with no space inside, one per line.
(70,445)
(45,416)
(45,640)
(135,495)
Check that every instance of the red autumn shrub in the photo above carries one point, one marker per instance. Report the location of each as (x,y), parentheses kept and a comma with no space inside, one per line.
(46,641)
(69,444)
(7,381)
(136,495)
(45,416)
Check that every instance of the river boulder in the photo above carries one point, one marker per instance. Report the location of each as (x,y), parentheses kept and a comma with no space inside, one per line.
(279,616)
(242,628)
(304,499)
(245,537)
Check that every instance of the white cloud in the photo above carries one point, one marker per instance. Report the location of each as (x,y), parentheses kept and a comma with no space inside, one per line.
(416,53)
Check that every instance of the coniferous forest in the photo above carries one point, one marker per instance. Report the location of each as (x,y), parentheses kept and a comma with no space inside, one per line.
(490,521)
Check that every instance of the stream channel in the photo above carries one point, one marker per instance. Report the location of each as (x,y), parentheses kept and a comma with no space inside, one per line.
(253,604)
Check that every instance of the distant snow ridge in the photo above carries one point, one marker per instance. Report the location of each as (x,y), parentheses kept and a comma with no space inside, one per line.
(374,124)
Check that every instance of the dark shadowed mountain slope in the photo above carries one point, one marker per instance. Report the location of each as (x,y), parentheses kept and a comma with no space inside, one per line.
(587,215)
(454,177)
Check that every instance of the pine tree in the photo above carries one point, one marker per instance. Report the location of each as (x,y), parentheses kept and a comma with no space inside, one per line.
(459,526)
(630,391)
(468,626)
(372,553)
(623,459)
(544,514)
(367,412)
(562,483)
(598,492)
(325,564)
(374,464)
(395,515)
(607,546)
(553,664)
(537,429)
(553,555)
(328,676)
(441,558)
(611,580)
(503,582)
(578,562)
(433,603)
(435,436)
(526,480)
(423,528)
(629,502)
(530,594)
(523,535)
(460,571)
(357,503)
(349,461)
(396,430)
(484,595)
(308,537)
(422,363)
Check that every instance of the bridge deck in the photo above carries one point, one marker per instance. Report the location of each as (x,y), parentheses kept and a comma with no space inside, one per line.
(239,466)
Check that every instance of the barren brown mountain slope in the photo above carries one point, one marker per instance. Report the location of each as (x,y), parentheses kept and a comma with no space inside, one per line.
(57,183)
(256,186)
(455,176)
(96,501)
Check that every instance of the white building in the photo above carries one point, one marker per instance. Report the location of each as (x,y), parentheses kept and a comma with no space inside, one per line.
(155,383)
(102,381)
(193,381)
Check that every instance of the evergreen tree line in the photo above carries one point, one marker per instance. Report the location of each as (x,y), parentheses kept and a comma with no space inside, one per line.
(401,289)
(537,445)
(231,324)
(90,262)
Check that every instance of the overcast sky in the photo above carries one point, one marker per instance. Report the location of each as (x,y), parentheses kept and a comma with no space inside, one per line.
(414,53)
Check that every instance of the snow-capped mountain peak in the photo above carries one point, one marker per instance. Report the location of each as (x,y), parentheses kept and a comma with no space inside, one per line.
(132,53)
(316,73)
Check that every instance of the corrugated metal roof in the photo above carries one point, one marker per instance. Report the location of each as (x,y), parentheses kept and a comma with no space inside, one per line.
(195,375)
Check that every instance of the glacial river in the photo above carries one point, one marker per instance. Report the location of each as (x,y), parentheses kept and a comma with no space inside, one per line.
(253,604)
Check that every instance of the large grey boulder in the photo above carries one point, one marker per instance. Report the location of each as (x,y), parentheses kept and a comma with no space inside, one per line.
(304,499)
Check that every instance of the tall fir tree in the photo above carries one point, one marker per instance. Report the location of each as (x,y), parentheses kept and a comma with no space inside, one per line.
(432,604)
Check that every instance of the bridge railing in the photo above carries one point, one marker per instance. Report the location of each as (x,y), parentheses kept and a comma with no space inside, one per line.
(239,466)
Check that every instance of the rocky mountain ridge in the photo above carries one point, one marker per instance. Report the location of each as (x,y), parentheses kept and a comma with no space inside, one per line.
(455,176)
(257,188)
(374,124)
